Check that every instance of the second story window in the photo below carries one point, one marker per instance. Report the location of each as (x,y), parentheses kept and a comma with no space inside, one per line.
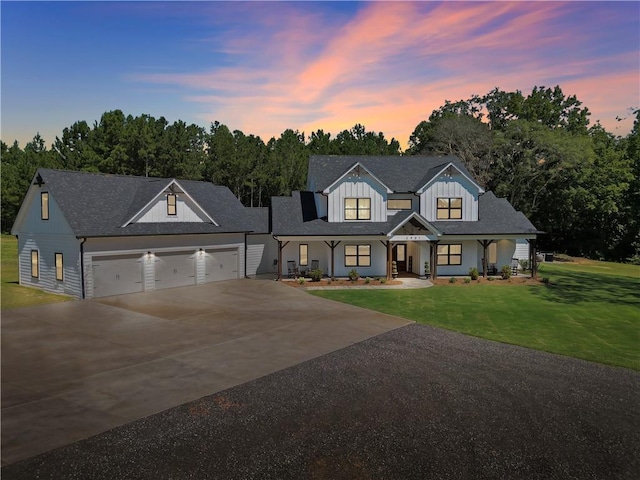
(449,209)
(171,204)
(44,205)
(398,204)
(357,209)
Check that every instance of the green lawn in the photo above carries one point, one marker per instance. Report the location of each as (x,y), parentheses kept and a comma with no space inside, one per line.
(589,310)
(13,295)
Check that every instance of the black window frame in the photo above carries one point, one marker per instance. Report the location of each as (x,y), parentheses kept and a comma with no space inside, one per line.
(358,255)
(173,205)
(448,255)
(358,209)
(448,209)
(36,265)
(59,278)
(306,263)
(44,206)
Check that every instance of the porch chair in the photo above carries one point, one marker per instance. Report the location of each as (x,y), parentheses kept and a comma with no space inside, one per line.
(292,269)
(315,264)
(514,266)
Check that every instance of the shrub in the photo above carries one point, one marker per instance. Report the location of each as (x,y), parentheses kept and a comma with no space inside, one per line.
(354,275)
(545,279)
(491,279)
(301,280)
(467,280)
(333,278)
(473,273)
(524,264)
(453,280)
(316,275)
(383,280)
(367,280)
(506,272)
(329,282)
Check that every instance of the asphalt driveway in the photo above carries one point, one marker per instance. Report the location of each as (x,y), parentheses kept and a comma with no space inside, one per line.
(75,369)
(414,403)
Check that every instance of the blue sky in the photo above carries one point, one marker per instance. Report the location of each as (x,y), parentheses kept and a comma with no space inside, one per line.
(262,67)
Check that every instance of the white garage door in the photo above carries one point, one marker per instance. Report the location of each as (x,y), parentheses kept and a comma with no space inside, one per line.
(116,275)
(175,269)
(221,265)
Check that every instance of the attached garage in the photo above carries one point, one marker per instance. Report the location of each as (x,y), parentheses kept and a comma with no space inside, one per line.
(174,269)
(117,275)
(221,264)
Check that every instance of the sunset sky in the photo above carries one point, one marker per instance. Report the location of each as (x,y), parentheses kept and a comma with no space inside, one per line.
(263,67)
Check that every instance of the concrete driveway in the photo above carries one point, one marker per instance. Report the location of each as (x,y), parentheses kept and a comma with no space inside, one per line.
(75,369)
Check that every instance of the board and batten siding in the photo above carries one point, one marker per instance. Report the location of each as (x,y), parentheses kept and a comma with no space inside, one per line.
(455,187)
(186,211)
(415,202)
(360,187)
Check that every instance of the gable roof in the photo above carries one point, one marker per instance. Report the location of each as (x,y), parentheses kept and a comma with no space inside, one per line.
(357,167)
(496,217)
(97,204)
(398,173)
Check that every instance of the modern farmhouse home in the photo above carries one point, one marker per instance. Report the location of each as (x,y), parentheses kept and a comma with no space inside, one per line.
(93,235)
(426,214)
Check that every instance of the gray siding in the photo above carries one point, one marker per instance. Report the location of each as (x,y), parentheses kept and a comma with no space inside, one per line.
(47,246)
(456,187)
(186,211)
(357,187)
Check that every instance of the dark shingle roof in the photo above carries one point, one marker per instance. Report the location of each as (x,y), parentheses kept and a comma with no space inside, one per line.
(97,204)
(399,173)
(496,217)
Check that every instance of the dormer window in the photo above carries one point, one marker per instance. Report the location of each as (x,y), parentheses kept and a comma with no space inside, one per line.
(449,209)
(357,209)
(171,204)
(399,204)
(44,205)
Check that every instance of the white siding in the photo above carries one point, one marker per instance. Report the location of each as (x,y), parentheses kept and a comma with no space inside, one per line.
(357,187)
(469,259)
(505,251)
(522,249)
(47,246)
(455,187)
(186,211)
(262,250)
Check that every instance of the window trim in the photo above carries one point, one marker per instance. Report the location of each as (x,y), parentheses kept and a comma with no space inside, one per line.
(59,269)
(410,207)
(172,206)
(306,255)
(357,209)
(44,205)
(35,266)
(448,255)
(448,209)
(358,255)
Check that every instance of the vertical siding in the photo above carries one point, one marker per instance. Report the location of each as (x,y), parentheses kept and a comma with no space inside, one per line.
(47,246)
(455,187)
(415,202)
(362,187)
(186,211)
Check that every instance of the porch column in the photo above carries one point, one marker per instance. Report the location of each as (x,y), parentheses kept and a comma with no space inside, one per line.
(332,246)
(434,259)
(389,259)
(280,248)
(485,263)
(534,258)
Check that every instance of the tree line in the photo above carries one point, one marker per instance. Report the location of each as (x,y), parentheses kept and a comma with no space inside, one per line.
(578,183)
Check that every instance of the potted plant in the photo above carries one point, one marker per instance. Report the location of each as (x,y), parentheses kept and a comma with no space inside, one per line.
(427,270)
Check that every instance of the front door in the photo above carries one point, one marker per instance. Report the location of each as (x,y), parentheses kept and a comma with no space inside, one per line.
(400,256)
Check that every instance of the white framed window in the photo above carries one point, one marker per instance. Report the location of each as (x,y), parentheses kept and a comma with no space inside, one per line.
(357,255)
(357,209)
(303,255)
(449,209)
(35,264)
(399,204)
(172,204)
(59,267)
(44,205)
(450,254)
